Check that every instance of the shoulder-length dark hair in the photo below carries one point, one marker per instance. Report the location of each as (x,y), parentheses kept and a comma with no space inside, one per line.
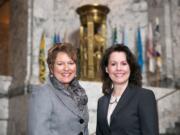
(135,72)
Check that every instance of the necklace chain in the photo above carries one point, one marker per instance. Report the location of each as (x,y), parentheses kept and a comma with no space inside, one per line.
(115,101)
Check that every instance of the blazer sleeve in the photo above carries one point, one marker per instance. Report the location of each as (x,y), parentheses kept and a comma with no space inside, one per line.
(39,112)
(98,130)
(148,113)
(86,131)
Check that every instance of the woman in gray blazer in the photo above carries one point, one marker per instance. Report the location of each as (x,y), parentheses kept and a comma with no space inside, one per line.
(59,107)
(125,108)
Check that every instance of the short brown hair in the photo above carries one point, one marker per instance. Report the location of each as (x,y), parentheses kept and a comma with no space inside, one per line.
(61,47)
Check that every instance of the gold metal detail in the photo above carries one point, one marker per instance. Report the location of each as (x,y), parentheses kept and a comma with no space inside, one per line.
(92,39)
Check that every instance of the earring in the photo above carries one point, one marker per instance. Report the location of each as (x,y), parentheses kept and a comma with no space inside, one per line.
(106,70)
(51,75)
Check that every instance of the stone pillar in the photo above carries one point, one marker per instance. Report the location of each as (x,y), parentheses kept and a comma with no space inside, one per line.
(4,103)
(169,61)
(175,18)
(18,64)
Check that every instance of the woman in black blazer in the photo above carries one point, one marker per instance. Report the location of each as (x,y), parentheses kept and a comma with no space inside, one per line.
(125,108)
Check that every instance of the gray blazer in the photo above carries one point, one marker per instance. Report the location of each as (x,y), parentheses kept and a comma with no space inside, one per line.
(53,113)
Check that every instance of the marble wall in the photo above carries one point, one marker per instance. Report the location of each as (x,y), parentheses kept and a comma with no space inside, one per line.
(168,13)
(175,11)
(60,17)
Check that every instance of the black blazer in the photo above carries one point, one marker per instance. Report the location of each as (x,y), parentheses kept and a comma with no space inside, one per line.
(135,114)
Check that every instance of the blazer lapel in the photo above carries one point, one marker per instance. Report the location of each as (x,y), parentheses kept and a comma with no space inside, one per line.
(105,109)
(125,98)
(67,101)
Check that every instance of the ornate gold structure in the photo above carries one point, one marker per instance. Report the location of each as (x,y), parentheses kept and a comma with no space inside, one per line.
(92,39)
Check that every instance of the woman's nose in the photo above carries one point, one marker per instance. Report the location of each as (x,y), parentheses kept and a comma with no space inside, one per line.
(66,66)
(118,67)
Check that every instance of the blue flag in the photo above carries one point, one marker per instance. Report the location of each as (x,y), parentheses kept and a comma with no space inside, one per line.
(57,38)
(114,36)
(139,49)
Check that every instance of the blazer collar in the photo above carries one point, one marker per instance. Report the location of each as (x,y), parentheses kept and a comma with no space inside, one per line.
(105,109)
(66,100)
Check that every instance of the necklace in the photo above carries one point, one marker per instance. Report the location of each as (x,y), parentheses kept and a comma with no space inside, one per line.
(112,102)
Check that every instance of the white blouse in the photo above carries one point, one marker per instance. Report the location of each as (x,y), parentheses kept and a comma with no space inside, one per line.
(112,104)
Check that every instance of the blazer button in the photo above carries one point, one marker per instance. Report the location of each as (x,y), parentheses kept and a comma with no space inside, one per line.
(81,121)
(81,133)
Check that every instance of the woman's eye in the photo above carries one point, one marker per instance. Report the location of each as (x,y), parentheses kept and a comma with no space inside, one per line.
(71,63)
(59,64)
(113,64)
(124,63)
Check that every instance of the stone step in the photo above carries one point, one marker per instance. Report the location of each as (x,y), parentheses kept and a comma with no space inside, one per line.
(177,128)
(173,131)
(167,134)
(177,124)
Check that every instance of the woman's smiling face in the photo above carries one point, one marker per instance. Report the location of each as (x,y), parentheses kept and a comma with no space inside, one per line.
(118,68)
(64,68)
